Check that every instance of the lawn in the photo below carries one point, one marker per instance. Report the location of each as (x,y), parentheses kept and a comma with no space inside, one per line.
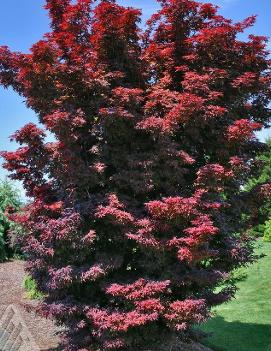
(244,324)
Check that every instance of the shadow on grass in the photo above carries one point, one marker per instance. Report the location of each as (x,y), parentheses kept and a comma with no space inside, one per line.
(237,336)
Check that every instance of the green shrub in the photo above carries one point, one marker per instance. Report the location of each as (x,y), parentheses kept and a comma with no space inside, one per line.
(32,291)
(2,240)
(267,231)
(258,231)
(9,197)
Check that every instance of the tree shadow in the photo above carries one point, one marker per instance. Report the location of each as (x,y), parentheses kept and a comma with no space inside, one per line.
(237,336)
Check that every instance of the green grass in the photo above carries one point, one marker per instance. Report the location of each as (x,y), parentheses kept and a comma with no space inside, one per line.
(32,292)
(244,324)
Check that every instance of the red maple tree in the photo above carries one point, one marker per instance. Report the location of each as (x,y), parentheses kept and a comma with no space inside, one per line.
(138,208)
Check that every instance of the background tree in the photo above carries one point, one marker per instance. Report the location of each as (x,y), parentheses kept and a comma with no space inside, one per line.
(9,200)
(263,229)
(137,214)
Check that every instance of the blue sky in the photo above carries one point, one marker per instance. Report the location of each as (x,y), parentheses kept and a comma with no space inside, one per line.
(23,22)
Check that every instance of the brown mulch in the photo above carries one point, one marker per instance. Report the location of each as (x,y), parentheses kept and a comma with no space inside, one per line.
(12,293)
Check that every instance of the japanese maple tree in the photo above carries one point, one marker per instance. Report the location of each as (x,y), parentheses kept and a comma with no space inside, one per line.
(138,213)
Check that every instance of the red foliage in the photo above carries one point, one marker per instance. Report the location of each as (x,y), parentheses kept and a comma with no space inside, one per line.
(242,130)
(183,313)
(141,289)
(136,214)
